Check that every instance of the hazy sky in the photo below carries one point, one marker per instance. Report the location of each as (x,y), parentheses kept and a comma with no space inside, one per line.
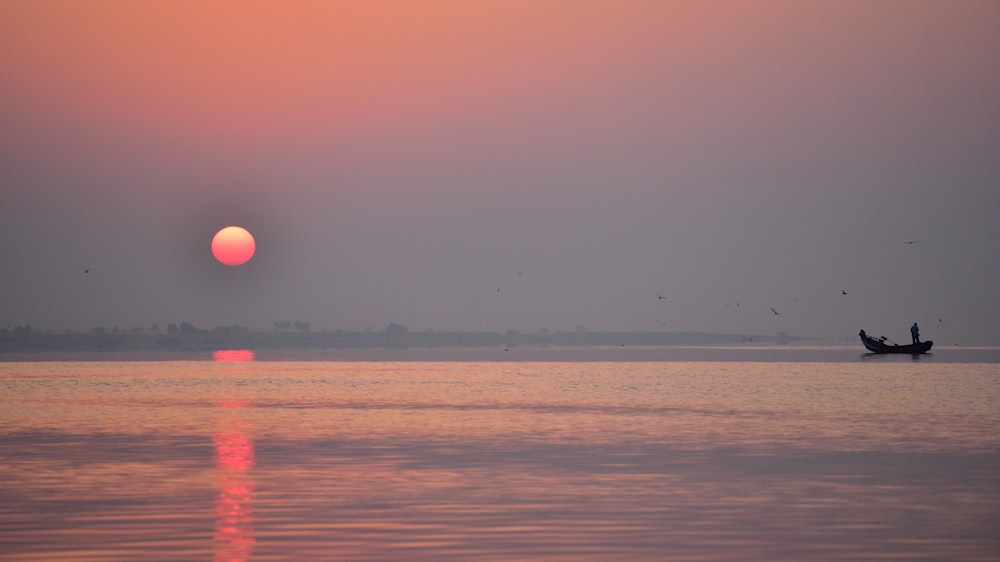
(402,161)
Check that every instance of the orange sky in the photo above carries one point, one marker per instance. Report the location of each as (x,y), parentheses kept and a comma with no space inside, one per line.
(229,69)
(270,67)
(233,71)
(224,72)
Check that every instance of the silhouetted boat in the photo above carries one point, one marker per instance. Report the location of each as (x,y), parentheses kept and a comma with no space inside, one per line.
(878,345)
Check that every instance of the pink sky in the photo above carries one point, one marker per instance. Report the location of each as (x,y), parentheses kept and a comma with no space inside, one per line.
(716,151)
(249,73)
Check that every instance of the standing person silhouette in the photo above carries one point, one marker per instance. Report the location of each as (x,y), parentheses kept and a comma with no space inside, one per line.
(915,333)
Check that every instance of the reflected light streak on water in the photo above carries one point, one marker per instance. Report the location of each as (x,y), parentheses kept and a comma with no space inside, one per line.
(234,457)
(233,355)
(463,461)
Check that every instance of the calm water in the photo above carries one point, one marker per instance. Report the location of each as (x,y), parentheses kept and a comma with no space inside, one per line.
(854,459)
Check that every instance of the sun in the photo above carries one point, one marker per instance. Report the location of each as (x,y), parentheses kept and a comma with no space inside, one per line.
(233,245)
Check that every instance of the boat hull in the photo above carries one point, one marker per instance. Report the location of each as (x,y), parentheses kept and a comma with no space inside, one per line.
(877,346)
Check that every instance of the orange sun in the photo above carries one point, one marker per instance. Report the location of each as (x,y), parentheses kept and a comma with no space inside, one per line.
(233,245)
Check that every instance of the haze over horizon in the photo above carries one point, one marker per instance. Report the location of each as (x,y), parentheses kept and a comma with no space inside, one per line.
(520,165)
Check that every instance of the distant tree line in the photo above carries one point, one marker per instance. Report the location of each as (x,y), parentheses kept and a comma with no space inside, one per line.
(280,325)
(182,328)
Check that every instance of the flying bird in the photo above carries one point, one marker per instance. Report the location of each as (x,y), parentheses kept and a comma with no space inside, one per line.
(909,241)
(660,297)
(776,313)
(843,292)
(86,270)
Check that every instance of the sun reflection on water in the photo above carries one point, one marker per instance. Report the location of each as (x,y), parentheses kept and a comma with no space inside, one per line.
(233,355)
(234,457)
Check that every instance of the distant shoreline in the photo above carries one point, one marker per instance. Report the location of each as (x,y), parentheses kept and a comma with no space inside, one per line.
(394,338)
(300,348)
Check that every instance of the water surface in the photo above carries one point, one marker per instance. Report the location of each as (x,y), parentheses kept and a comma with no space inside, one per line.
(860,459)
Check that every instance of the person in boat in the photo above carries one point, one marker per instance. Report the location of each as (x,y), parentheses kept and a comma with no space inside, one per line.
(915,333)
